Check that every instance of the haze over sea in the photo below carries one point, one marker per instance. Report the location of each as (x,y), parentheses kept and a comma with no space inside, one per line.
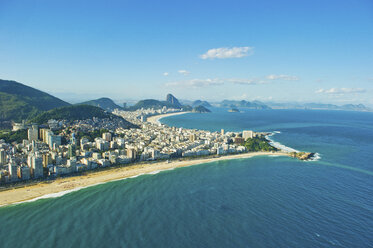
(255,202)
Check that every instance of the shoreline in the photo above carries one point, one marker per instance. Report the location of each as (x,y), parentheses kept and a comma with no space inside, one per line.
(62,186)
(155,119)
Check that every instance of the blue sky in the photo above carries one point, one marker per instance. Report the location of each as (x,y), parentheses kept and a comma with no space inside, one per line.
(306,51)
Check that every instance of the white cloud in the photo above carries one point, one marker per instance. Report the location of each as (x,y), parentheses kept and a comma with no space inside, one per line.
(282,77)
(184,72)
(165,74)
(246,81)
(341,91)
(226,52)
(196,83)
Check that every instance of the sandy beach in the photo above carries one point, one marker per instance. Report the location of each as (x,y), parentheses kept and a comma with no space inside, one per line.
(155,119)
(64,185)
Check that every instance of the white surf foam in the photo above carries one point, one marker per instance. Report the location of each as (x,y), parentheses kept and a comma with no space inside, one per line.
(315,157)
(278,145)
(154,172)
(52,195)
(62,193)
(133,176)
(157,171)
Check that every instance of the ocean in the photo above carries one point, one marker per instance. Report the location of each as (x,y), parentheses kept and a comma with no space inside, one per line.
(255,202)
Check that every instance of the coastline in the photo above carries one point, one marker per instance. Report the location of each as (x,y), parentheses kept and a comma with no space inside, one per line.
(62,186)
(156,118)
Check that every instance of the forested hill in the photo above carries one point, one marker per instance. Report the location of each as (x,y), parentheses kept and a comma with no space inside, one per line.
(19,101)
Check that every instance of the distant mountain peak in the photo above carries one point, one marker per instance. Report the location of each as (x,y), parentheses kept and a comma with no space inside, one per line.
(173,100)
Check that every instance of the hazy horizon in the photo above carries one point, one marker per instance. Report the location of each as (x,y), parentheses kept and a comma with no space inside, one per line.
(74,99)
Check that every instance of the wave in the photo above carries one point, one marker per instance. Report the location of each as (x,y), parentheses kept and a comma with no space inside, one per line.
(130,177)
(278,145)
(62,193)
(153,172)
(157,171)
(282,147)
(52,195)
(315,157)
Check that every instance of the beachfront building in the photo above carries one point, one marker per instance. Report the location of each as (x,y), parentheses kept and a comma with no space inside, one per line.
(12,169)
(36,165)
(131,153)
(247,134)
(23,172)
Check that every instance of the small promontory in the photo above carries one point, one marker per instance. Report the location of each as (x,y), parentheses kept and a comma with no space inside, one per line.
(302,155)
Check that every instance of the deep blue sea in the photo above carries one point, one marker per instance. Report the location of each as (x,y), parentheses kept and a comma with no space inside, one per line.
(255,202)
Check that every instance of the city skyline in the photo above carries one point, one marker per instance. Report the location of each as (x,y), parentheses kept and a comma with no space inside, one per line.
(215,50)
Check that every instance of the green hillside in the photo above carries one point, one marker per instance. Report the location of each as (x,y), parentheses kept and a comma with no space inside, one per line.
(18,101)
(75,112)
(201,109)
(104,103)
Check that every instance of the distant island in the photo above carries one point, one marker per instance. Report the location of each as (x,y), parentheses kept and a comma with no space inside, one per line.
(243,104)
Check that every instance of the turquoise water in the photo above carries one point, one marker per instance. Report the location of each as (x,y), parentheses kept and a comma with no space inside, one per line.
(256,202)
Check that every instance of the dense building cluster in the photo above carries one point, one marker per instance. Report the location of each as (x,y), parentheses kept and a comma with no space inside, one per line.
(63,147)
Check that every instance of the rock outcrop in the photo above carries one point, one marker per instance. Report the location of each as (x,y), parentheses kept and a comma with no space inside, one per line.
(173,100)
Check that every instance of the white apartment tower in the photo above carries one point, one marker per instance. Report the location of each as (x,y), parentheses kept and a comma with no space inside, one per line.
(247,134)
(33,133)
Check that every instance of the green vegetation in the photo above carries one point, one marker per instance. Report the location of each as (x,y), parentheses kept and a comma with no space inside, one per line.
(104,103)
(258,144)
(302,155)
(75,112)
(90,135)
(201,109)
(18,101)
(10,136)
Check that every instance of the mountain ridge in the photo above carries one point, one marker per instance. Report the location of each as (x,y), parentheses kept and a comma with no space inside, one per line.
(77,112)
(19,101)
(321,106)
(104,103)
(243,104)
